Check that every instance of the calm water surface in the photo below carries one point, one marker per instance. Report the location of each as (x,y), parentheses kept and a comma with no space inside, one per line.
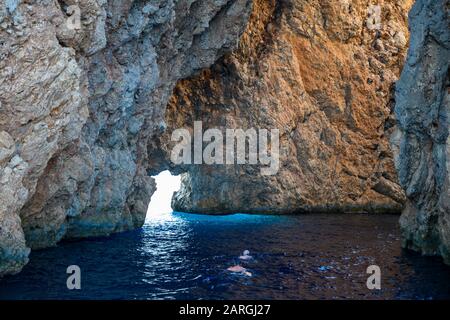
(180,256)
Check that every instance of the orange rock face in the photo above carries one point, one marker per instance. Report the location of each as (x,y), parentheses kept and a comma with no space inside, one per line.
(323,73)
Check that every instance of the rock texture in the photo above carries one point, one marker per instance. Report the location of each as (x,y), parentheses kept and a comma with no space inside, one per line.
(86,111)
(42,110)
(78,104)
(323,75)
(421,142)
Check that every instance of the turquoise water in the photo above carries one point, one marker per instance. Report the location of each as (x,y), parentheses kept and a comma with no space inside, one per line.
(181,256)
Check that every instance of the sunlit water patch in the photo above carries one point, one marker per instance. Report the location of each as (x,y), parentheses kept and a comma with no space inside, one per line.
(182,256)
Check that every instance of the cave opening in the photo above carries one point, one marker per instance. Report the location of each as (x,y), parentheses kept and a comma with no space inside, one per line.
(160,203)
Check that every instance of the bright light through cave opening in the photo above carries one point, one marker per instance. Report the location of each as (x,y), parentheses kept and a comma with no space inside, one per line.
(160,204)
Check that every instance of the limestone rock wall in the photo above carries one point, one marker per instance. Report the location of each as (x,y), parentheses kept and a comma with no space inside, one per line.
(86,114)
(78,105)
(42,110)
(323,75)
(421,141)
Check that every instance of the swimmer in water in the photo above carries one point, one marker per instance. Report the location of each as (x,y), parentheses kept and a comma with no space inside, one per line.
(246,256)
(239,269)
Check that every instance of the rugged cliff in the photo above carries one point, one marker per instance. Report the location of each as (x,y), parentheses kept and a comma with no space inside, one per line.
(80,99)
(321,72)
(87,111)
(421,141)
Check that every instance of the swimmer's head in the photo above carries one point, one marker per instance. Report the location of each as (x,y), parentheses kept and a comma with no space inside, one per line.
(246,253)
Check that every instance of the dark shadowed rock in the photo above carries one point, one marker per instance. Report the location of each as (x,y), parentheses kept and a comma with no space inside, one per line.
(421,141)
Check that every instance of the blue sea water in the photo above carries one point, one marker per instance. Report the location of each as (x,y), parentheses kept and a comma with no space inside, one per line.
(184,256)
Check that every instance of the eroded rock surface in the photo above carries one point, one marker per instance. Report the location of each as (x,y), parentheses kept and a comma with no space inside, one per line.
(421,143)
(322,73)
(84,119)
(79,102)
(42,110)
